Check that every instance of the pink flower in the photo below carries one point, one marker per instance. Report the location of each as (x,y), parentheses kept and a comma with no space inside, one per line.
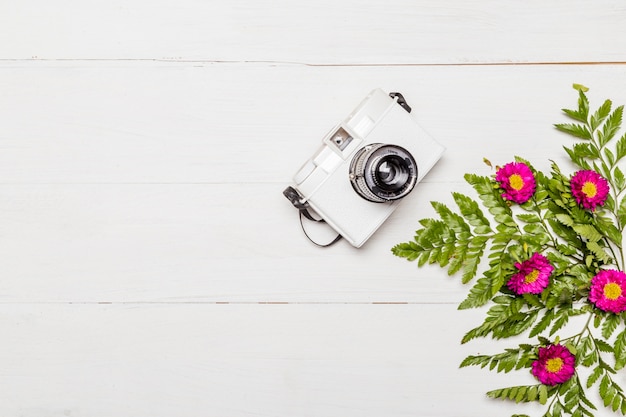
(533,276)
(556,364)
(589,189)
(517,181)
(608,291)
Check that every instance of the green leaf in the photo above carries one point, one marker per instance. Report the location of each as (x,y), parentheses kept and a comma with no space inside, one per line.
(588,232)
(617,401)
(583,102)
(610,323)
(609,157)
(473,255)
(562,317)
(603,346)
(521,393)
(456,259)
(599,252)
(504,319)
(543,394)
(534,301)
(543,323)
(587,353)
(604,385)
(579,131)
(470,210)
(581,88)
(601,114)
(621,211)
(620,147)
(611,127)
(619,178)
(578,158)
(605,226)
(582,113)
(593,377)
(479,360)
(586,150)
(620,350)
(529,218)
(535,229)
(408,250)
(451,219)
(485,288)
(564,219)
(492,199)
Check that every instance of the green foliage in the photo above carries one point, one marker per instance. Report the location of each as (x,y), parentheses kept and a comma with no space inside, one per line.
(486,238)
(504,362)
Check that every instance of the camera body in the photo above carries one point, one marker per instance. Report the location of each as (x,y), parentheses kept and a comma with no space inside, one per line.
(365,166)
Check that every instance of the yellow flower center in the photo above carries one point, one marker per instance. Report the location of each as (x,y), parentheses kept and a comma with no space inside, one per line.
(516,182)
(612,291)
(590,189)
(554,365)
(532,277)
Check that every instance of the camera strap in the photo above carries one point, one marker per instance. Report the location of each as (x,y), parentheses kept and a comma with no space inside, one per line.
(303,209)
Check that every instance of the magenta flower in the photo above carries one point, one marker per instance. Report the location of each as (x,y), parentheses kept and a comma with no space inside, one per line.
(589,189)
(556,364)
(533,276)
(608,291)
(517,181)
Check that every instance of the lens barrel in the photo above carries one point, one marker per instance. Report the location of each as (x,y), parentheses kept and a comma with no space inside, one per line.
(380,172)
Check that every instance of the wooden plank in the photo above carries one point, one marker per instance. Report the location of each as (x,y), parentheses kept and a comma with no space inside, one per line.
(320,32)
(242,360)
(217,243)
(187,123)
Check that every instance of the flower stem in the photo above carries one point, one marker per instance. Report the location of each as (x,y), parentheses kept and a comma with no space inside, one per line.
(585,329)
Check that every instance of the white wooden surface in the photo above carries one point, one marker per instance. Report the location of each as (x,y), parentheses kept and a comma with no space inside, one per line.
(150,265)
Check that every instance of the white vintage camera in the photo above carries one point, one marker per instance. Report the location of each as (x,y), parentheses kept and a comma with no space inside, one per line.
(365,166)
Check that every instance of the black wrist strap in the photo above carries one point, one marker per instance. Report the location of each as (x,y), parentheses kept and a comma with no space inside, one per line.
(303,209)
(305,213)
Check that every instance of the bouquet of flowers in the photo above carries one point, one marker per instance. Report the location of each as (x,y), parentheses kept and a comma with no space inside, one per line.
(551,249)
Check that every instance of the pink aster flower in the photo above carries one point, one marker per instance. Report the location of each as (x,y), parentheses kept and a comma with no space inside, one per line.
(556,364)
(517,181)
(533,276)
(589,189)
(608,291)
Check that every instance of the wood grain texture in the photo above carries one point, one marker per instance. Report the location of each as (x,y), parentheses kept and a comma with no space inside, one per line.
(209,123)
(150,265)
(236,360)
(325,32)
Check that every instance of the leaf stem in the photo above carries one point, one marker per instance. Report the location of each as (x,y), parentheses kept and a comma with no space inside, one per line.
(618,261)
(543,221)
(585,328)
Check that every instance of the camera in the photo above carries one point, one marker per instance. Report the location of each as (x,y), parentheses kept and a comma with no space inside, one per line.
(365,166)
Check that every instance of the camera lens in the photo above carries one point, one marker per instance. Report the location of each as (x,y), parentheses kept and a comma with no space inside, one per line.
(380,172)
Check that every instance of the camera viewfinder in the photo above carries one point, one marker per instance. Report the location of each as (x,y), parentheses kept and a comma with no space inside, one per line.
(341,139)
